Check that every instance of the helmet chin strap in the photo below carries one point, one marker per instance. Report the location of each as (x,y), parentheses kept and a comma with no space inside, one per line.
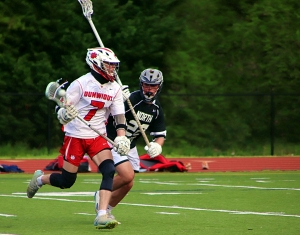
(103,74)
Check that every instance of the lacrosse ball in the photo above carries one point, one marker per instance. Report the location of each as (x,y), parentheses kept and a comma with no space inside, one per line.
(61,92)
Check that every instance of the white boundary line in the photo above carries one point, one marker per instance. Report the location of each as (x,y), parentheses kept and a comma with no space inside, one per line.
(218,185)
(241,186)
(7,215)
(281,214)
(215,210)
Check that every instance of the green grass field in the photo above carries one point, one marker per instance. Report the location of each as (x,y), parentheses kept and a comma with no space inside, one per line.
(160,203)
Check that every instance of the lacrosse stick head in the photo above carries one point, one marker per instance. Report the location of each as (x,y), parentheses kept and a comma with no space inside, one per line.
(55,92)
(103,61)
(87,8)
(151,82)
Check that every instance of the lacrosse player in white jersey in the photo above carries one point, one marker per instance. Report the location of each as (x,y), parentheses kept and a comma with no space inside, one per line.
(93,97)
(151,117)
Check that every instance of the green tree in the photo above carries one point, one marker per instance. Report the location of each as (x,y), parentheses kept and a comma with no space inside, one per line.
(233,47)
(47,40)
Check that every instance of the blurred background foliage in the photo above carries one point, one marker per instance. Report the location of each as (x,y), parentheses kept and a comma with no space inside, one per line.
(231,68)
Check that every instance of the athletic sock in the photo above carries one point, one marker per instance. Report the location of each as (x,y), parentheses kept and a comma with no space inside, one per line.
(39,181)
(110,208)
(101,212)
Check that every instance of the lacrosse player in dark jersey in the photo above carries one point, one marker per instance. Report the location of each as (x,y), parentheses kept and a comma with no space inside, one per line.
(151,117)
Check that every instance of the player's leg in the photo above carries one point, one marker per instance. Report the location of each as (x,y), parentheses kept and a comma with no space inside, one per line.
(103,159)
(124,177)
(107,169)
(67,177)
(123,182)
(62,180)
(125,169)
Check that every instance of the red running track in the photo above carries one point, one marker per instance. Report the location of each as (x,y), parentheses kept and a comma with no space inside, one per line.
(196,164)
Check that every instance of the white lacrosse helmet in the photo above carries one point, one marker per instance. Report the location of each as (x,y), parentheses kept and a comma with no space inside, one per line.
(151,77)
(103,61)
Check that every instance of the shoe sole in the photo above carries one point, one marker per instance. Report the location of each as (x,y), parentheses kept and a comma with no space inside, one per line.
(34,177)
(108,225)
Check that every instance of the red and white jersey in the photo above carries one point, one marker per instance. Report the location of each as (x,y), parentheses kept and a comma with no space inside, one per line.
(94,102)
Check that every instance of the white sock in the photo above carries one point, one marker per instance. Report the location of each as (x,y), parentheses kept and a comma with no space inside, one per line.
(110,208)
(101,212)
(39,181)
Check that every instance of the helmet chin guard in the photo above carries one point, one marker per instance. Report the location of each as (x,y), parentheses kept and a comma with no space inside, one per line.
(103,61)
(151,77)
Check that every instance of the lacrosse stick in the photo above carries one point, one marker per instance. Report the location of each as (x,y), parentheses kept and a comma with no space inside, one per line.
(87,9)
(55,92)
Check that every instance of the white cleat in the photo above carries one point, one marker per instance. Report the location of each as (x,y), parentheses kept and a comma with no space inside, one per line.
(97,201)
(33,186)
(104,222)
(110,215)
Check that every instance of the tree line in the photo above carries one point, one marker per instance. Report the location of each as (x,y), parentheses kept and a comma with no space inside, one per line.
(230,68)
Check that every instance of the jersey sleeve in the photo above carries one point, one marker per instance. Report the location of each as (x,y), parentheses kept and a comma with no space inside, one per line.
(73,93)
(117,106)
(158,127)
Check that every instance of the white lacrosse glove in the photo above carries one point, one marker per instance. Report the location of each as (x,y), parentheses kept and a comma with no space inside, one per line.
(153,150)
(125,92)
(123,145)
(67,114)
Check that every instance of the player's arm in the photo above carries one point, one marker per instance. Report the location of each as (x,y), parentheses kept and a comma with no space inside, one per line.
(121,140)
(120,124)
(118,113)
(155,147)
(158,131)
(159,140)
(73,93)
(69,112)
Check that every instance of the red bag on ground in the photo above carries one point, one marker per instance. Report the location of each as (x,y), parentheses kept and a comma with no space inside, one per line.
(160,163)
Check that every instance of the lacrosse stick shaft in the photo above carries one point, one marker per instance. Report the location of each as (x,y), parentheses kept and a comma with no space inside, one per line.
(103,136)
(95,32)
(87,8)
(134,115)
(138,122)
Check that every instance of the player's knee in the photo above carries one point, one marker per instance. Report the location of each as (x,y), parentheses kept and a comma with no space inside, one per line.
(63,180)
(130,184)
(107,170)
(126,187)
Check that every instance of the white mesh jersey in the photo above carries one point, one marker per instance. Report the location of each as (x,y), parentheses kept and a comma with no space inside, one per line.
(94,102)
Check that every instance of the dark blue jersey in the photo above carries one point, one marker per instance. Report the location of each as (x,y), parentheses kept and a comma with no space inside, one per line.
(151,117)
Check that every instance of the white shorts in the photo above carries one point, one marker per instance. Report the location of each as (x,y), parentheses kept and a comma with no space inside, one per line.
(132,156)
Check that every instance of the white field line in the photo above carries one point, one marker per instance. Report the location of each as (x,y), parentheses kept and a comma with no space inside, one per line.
(215,210)
(167,213)
(84,214)
(241,186)
(281,214)
(159,182)
(7,234)
(171,193)
(6,215)
(219,185)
